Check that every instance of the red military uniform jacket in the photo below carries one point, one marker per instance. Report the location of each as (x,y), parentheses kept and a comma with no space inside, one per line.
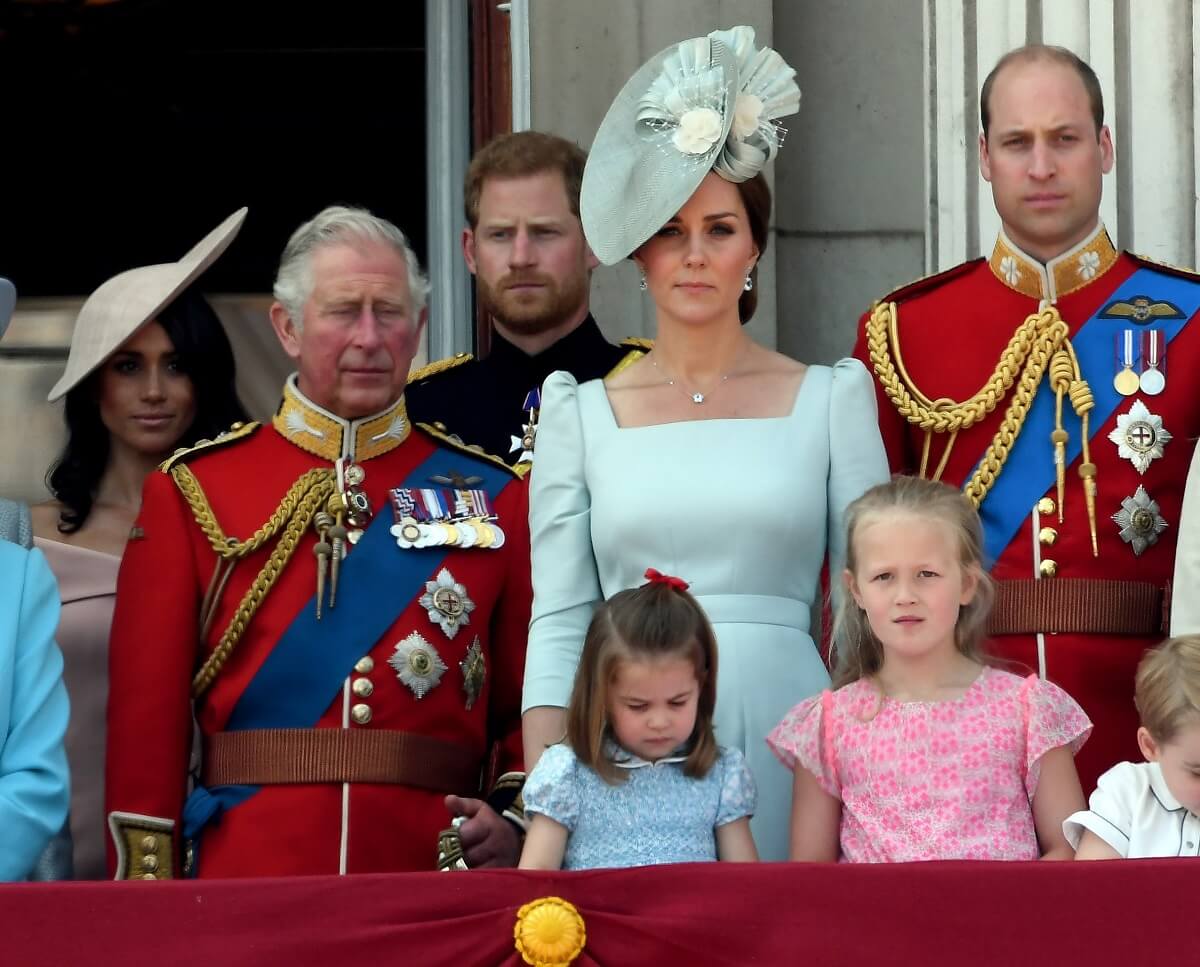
(951,331)
(453,719)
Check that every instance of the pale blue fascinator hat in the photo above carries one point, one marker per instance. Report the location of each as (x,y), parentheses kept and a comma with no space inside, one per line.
(8,299)
(707,104)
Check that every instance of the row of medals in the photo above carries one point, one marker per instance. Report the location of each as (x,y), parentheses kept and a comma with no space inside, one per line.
(450,518)
(466,532)
(1151,380)
(416,661)
(1140,435)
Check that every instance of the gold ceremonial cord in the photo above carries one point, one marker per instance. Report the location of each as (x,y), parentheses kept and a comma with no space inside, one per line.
(1024,361)
(293,516)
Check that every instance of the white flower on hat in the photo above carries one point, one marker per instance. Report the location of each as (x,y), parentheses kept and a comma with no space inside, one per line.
(699,129)
(746,113)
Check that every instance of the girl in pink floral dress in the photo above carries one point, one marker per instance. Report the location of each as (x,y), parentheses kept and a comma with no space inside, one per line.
(922,751)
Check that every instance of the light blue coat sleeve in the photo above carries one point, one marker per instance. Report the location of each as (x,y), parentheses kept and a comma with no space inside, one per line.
(566,586)
(857,459)
(34,788)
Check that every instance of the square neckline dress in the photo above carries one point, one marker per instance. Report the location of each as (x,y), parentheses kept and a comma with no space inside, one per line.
(745,510)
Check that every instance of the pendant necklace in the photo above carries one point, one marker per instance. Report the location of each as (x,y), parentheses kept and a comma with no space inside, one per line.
(695,397)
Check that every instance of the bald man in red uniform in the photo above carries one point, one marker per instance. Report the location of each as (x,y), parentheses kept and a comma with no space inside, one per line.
(341,597)
(1057,351)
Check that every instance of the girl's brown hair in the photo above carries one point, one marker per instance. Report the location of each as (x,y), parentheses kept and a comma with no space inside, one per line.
(1167,693)
(655,621)
(858,653)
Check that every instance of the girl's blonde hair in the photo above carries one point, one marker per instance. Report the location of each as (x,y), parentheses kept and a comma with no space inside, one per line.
(657,620)
(1167,692)
(857,652)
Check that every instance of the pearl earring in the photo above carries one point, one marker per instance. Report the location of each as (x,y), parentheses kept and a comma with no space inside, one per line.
(642,285)
(749,284)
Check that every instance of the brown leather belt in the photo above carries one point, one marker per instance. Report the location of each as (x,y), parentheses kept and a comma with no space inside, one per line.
(271,756)
(1080,606)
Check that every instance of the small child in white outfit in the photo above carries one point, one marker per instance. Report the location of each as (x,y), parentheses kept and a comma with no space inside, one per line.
(1151,808)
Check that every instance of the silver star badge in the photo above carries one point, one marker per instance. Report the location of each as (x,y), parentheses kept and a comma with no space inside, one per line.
(447,603)
(1140,436)
(418,664)
(525,441)
(1140,521)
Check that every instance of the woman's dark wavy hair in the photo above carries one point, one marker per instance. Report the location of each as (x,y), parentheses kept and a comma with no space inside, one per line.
(756,196)
(204,354)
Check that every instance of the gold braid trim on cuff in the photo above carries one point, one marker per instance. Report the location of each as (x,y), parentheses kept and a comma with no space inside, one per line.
(1040,344)
(293,515)
(506,797)
(145,846)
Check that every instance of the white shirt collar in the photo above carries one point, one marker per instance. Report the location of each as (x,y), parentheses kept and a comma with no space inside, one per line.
(1158,785)
(622,758)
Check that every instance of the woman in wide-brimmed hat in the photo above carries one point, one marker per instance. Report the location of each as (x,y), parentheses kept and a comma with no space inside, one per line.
(150,369)
(713,457)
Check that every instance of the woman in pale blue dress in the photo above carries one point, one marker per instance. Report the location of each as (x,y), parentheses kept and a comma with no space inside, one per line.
(712,458)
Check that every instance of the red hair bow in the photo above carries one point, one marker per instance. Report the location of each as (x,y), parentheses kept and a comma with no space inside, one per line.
(657,577)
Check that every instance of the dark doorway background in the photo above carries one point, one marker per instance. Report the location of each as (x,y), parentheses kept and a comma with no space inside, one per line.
(130,128)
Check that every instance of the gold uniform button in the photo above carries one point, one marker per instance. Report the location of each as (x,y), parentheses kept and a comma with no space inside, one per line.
(1047,535)
(149,844)
(1048,568)
(361,713)
(365,665)
(150,863)
(1046,506)
(363,688)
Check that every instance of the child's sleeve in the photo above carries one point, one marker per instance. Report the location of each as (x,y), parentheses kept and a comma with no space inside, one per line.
(804,738)
(739,792)
(1110,810)
(1053,719)
(551,788)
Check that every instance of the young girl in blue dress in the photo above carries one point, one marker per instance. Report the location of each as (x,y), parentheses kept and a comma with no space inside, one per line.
(640,779)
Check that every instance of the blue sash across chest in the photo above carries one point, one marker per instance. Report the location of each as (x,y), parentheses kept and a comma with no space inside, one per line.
(302,675)
(1029,470)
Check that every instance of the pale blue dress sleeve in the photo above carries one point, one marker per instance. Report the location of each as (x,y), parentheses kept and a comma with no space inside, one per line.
(566,585)
(857,459)
(33,711)
(739,794)
(551,789)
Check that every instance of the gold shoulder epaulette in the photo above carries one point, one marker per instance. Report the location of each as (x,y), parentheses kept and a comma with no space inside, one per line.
(1164,266)
(929,281)
(239,431)
(439,366)
(637,346)
(471,450)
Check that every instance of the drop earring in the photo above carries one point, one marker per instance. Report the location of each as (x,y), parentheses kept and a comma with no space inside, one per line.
(642,284)
(749,284)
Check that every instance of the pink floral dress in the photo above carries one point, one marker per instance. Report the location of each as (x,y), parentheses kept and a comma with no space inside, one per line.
(933,780)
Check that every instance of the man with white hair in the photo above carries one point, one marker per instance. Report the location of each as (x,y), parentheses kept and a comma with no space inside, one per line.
(339,599)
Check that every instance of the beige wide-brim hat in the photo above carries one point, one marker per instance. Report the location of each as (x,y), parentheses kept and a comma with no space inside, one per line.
(126,302)
(8,299)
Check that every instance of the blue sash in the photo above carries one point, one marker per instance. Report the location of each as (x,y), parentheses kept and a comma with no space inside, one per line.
(304,672)
(1029,470)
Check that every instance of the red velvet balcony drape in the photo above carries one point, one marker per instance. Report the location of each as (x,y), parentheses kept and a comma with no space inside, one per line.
(936,913)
